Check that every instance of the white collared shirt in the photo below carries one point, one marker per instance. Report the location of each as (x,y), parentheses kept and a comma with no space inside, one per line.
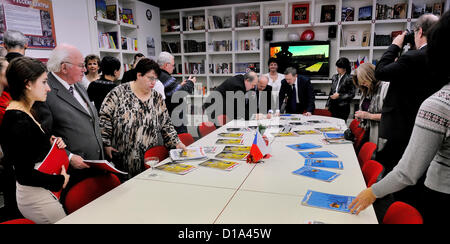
(77,95)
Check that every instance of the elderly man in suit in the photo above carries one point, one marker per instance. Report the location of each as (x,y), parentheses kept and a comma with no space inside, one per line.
(296,93)
(68,112)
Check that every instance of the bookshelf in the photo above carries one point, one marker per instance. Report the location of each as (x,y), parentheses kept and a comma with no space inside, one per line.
(282,26)
(115,29)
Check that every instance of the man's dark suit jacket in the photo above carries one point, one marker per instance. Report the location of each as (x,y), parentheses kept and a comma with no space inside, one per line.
(234,84)
(305,94)
(410,84)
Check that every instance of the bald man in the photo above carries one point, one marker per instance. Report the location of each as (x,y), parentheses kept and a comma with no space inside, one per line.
(264,95)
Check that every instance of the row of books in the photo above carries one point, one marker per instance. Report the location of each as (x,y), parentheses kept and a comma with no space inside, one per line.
(171,47)
(170,25)
(215,22)
(247,19)
(386,40)
(384,11)
(221,68)
(107,40)
(192,46)
(192,22)
(242,68)
(129,43)
(248,45)
(348,13)
(434,8)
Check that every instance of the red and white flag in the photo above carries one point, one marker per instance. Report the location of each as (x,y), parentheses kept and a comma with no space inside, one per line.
(258,150)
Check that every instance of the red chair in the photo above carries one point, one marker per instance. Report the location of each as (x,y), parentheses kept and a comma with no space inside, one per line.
(359,136)
(18,222)
(402,213)
(366,153)
(158,151)
(206,127)
(222,120)
(88,190)
(186,138)
(371,172)
(322,112)
(354,125)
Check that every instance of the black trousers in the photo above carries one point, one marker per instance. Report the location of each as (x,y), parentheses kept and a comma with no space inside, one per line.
(434,206)
(341,112)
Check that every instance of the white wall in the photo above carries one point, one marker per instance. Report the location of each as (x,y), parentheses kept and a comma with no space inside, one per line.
(71,26)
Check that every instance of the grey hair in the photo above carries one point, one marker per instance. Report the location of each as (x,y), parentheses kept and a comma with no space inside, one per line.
(426,21)
(59,55)
(290,70)
(14,39)
(248,76)
(164,57)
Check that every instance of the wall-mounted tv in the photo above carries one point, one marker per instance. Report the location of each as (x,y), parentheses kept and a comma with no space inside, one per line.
(310,58)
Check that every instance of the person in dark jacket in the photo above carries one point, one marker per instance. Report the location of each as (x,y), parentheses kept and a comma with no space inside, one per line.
(171,86)
(342,90)
(296,94)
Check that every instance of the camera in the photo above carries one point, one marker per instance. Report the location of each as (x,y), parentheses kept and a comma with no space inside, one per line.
(409,38)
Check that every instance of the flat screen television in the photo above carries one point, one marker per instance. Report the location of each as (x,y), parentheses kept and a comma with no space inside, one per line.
(310,58)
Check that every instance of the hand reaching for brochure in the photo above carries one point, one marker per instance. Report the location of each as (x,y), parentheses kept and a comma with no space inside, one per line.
(66,176)
(362,201)
(59,142)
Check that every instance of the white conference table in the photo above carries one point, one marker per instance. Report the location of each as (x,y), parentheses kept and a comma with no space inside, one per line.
(263,193)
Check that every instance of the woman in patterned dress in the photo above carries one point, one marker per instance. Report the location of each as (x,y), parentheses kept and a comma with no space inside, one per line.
(131,118)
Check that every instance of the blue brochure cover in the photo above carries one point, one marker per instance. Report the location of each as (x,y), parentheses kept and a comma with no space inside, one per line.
(319,174)
(334,135)
(318,154)
(332,164)
(327,201)
(303,146)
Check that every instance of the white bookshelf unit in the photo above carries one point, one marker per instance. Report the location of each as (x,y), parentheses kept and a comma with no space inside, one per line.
(117,29)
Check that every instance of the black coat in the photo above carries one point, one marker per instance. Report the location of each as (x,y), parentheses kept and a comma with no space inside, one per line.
(305,95)
(346,90)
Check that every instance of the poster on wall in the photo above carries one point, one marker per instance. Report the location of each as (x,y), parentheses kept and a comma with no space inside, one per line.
(34,18)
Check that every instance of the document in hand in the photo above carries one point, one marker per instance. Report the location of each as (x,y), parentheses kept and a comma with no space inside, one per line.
(53,162)
(104,165)
(327,201)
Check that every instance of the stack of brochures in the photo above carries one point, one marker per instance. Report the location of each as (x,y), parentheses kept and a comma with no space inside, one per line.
(191,153)
(233,135)
(234,152)
(219,164)
(327,201)
(176,168)
(230,141)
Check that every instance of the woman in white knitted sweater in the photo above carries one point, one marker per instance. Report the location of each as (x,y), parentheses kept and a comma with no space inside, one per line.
(428,150)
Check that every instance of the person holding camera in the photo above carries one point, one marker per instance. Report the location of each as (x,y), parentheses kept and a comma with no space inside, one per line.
(410,84)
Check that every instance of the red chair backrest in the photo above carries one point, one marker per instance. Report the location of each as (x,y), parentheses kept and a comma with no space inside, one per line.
(371,171)
(158,151)
(354,125)
(366,152)
(359,136)
(18,222)
(206,127)
(222,119)
(88,190)
(186,138)
(402,213)
(322,112)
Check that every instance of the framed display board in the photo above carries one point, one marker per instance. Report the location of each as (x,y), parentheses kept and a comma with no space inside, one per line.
(34,18)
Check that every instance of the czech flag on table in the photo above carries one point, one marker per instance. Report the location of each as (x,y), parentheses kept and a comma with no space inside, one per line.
(258,150)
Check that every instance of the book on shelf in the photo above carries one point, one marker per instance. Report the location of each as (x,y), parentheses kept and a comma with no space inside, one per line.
(192,46)
(400,10)
(171,47)
(328,13)
(242,68)
(241,20)
(327,201)
(215,22)
(100,6)
(195,68)
(190,153)
(418,10)
(438,8)
(253,18)
(352,38)
(365,13)
(248,45)
(384,11)
(126,16)
(219,164)
(365,39)
(319,174)
(198,22)
(129,43)
(111,12)
(348,14)
(382,40)
(220,46)
(103,165)
(227,21)
(394,34)
(274,18)
(170,25)
(53,162)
